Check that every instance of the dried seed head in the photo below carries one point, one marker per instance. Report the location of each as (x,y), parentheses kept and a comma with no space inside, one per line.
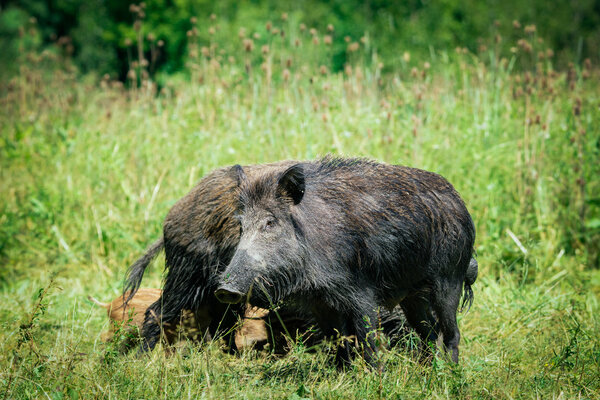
(256,35)
(406,56)
(414,72)
(516,24)
(312,31)
(284,16)
(213,17)
(264,49)
(363,40)
(193,20)
(587,64)
(268,26)
(426,65)
(302,27)
(330,28)
(352,47)
(530,29)
(286,75)
(348,70)
(248,45)
(242,33)
(211,30)
(315,40)
(497,39)
(131,75)
(137,25)
(347,39)
(205,51)
(151,37)
(327,40)
(128,42)
(297,42)
(323,70)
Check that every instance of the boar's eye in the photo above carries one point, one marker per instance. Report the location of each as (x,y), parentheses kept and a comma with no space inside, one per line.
(270,223)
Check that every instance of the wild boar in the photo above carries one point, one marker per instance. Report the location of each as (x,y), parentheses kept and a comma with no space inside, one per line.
(340,238)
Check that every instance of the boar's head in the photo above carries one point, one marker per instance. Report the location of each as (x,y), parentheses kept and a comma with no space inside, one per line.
(267,263)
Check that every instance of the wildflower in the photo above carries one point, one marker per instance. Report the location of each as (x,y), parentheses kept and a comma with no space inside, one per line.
(312,31)
(211,31)
(347,39)
(286,75)
(151,37)
(352,47)
(256,35)
(302,27)
(530,29)
(315,40)
(327,40)
(516,24)
(242,33)
(205,51)
(213,17)
(193,20)
(414,72)
(128,42)
(330,28)
(265,49)
(363,40)
(406,56)
(323,70)
(268,26)
(426,65)
(284,16)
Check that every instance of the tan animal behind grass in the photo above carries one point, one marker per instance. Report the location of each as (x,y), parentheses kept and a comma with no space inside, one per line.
(130,318)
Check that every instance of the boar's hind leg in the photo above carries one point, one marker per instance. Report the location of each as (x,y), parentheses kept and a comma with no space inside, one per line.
(446,297)
(418,314)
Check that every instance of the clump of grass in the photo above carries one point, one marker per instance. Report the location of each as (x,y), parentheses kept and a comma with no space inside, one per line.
(89,168)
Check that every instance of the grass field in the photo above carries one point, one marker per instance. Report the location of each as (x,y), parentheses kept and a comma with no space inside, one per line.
(89,169)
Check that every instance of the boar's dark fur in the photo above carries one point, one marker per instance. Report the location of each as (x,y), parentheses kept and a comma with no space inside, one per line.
(340,238)
(200,235)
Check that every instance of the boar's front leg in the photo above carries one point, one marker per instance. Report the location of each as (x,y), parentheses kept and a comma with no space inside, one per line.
(350,329)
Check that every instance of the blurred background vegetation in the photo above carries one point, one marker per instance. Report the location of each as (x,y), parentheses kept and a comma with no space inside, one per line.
(102,35)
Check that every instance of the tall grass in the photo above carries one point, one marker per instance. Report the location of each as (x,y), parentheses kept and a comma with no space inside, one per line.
(89,168)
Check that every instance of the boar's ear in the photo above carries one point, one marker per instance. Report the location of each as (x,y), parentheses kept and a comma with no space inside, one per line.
(291,184)
(238,175)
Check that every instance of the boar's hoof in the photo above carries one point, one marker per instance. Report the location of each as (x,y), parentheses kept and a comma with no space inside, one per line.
(228,295)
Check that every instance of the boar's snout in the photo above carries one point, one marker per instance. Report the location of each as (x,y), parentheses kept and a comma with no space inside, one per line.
(227,294)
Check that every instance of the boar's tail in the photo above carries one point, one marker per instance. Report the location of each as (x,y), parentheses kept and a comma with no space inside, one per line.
(470,278)
(136,270)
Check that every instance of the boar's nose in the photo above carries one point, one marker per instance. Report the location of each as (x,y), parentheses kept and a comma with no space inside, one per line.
(229,295)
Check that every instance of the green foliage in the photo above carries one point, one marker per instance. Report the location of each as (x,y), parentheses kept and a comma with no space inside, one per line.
(89,168)
(104,39)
